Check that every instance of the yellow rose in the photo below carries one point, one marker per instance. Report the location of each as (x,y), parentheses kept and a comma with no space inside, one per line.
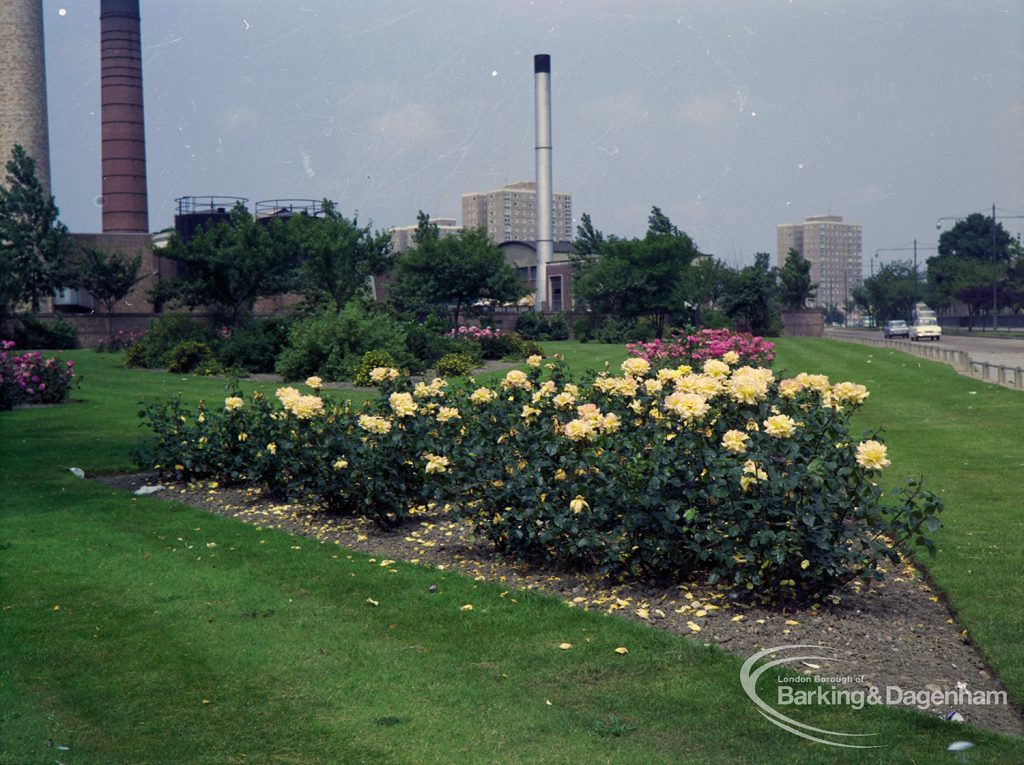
(780,426)
(233,403)
(735,441)
(871,455)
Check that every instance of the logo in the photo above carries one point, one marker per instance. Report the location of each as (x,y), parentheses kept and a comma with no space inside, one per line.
(824,689)
(749,677)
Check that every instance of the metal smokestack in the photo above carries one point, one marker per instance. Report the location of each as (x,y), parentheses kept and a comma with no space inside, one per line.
(23,85)
(545,228)
(125,206)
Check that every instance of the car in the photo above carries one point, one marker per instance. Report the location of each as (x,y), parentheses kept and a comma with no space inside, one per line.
(926,329)
(897,328)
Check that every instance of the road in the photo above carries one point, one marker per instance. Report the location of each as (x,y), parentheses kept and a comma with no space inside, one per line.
(1006,351)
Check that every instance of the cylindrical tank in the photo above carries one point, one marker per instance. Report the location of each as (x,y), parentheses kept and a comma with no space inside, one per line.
(125,203)
(23,85)
(199,212)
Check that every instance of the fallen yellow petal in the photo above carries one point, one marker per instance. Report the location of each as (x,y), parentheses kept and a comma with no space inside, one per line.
(467,607)
(565,646)
(693,626)
(622,650)
(739,618)
(372,602)
(643,613)
(792,622)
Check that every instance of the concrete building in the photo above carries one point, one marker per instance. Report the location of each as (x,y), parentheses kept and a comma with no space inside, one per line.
(522,256)
(833,249)
(23,85)
(510,213)
(402,237)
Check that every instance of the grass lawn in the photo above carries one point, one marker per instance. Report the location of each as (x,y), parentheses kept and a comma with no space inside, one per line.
(134,629)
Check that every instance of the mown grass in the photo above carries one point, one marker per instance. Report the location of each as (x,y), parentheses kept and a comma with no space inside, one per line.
(965,437)
(264,648)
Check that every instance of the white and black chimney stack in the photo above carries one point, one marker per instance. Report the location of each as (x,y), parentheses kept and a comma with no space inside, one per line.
(545,227)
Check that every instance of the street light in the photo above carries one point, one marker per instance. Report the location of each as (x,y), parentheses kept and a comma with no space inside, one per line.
(913,249)
(995,255)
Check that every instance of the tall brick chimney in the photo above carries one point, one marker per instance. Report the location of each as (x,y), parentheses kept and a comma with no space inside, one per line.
(23,85)
(125,205)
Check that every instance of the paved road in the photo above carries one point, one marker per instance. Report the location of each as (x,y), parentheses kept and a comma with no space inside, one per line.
(1006,351)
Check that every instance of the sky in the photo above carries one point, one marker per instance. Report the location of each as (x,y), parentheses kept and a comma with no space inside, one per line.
(732,117)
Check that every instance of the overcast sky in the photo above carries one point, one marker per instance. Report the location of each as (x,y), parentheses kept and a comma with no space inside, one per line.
(731,116)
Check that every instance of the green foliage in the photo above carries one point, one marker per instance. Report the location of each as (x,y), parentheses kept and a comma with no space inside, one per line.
(757,485)
(749,298)
(109,276)
(649,277)
(455,365)
(971,255)
(370,361)
(427,341)
(34,244)
(228,266)
(542,326)
(192,356)
(331,344)
(336,256)
(54,334)
(890,293)
(611,329)
(795,287)
(255,345)
(163,335)
(454,271)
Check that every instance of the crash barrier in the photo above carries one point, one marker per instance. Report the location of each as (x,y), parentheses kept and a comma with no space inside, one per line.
(961,361)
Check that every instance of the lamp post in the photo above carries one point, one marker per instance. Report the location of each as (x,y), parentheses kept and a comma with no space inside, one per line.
(995,258)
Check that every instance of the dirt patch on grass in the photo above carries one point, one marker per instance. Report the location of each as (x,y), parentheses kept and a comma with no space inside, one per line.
(898,633)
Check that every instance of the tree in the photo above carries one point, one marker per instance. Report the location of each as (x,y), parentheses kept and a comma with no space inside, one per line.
(632,278)
(108,276)
(34,244)
(336,256)
(455,271)
(967,264)
(228,266)
(750,297)
(890,293)
(795,286)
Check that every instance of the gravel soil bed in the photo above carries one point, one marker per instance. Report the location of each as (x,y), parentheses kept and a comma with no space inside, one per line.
(899,632)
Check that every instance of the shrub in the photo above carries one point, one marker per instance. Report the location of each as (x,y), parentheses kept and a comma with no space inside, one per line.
(120,341)
(192,356)
(29,378)
(426,343)
(255,346)
(166,333)
(751,483)
(542,326)
(739,348)
(455,365)
(610,329)
(372,360)
(56,334)
(330,345)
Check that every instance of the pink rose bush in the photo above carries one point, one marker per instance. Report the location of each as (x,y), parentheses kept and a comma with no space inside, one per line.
(29,378)
(738,348)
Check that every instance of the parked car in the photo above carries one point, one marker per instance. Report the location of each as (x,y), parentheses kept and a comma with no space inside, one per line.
(896,328)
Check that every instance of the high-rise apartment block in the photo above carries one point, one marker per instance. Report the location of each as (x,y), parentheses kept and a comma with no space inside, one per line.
(833,249)
(510,213)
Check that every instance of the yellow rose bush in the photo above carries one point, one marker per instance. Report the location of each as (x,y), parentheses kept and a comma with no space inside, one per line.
(727,475)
